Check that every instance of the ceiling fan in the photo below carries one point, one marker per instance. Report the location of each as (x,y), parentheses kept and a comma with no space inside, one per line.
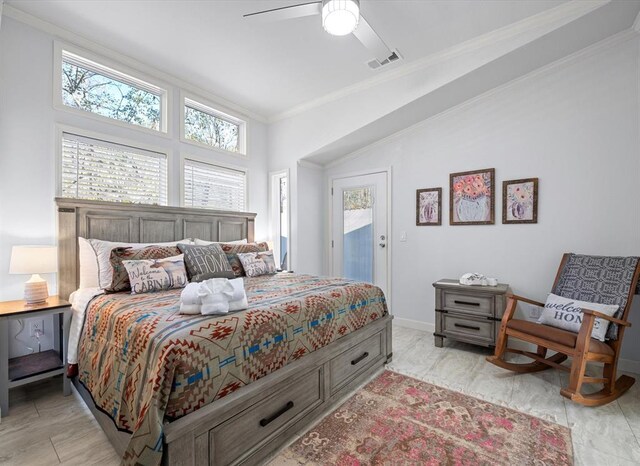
(339,18)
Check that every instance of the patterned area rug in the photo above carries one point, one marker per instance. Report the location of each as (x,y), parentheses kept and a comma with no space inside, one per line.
(398,420)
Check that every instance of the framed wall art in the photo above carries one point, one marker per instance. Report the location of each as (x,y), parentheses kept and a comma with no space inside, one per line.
(520,201)
(429,206)
(472,197)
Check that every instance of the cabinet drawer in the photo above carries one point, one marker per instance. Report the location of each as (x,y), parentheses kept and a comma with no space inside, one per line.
(465,328)
(239,434)
(474,304)
(349,364)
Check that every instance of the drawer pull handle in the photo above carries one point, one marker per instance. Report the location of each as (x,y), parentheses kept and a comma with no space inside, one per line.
(470,327)
(273,417)
(358,359)
(466,303)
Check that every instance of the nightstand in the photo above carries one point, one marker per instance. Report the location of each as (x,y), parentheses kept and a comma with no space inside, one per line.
(468,313)
(36,366)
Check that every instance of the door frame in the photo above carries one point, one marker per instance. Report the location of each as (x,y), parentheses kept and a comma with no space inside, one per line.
(329,229)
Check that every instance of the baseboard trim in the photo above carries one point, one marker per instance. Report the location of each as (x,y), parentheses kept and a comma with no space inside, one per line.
(629,365)
(414,324)
(626,365)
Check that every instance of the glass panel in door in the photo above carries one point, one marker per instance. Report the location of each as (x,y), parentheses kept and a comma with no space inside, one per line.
(284,224)
(357,251)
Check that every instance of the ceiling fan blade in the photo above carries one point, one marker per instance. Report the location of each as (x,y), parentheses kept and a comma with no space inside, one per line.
(287,12)
(365,34)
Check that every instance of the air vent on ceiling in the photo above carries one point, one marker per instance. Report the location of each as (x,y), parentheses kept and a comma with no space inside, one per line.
(394,57)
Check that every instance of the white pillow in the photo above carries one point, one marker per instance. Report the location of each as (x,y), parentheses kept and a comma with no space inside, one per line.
(89,276)
(95,268)
(567,314)
(201,242)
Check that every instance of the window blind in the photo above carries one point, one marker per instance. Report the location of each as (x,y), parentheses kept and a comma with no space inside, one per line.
(213,187)
(104,171)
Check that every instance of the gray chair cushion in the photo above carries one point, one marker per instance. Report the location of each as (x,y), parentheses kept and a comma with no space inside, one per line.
(598,279)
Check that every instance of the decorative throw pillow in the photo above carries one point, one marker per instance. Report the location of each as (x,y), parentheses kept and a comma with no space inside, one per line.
(567,314)
(204,262)
(147,276)
(120,280)
(233,249)
(258,263)
(102,250)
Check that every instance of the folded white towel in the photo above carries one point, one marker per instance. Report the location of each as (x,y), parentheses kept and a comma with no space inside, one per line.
(215,286)
(238,289)
(214,296)
(190,309)
(189,294)
(239,305)
(215,304)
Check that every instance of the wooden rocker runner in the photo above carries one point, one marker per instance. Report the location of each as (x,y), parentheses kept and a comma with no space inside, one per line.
(606,280)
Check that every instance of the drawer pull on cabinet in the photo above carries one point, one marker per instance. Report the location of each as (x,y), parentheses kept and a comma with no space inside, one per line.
(466,303)
(470,327)
(358,359)
(273,417)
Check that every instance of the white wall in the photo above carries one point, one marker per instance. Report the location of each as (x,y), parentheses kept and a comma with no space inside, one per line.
(575,126)
(27,154)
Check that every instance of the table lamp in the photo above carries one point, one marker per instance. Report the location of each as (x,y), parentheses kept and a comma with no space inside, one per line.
(34,260)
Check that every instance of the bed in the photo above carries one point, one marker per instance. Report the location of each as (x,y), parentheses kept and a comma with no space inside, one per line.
(215,390)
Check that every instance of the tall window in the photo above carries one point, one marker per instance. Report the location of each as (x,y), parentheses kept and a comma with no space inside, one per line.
(89,86)
(213,187)
(207,126)
(104,171)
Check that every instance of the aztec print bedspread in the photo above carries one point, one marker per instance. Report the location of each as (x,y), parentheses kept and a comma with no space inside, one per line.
(143,362)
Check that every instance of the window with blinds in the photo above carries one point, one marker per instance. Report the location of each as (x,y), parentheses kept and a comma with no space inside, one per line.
(213,187)
(104,171)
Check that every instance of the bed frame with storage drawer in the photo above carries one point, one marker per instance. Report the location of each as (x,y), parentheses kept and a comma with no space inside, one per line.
(249,425)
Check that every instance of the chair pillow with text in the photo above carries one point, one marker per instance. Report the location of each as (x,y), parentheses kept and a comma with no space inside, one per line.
(567,314)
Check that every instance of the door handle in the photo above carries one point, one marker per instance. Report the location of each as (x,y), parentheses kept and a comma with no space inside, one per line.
(382,245)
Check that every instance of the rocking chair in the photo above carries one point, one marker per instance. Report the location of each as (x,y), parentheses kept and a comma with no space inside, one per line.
(606,280)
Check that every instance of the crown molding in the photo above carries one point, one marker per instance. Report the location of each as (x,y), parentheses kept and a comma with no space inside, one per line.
(79,40)
(609,42)
(310,164)
(557,16)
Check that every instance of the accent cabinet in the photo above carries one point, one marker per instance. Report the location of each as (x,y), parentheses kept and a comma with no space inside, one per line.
(468,313)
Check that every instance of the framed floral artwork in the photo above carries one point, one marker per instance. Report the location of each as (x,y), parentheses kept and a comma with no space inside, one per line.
(429,206)
(472,199)
(520,201)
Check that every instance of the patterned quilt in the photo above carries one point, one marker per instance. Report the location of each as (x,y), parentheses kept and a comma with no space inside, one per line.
(143,362)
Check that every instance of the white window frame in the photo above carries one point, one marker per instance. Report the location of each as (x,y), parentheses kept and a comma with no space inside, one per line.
(128,73)
(219,112)
(207,161)
(61,129)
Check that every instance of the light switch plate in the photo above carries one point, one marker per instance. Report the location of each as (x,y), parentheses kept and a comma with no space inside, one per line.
(403,236)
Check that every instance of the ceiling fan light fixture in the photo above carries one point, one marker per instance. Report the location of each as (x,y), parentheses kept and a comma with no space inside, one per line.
(340,17)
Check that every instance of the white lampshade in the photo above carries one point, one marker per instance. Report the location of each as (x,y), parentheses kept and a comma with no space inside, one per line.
(340,17)
(33,259)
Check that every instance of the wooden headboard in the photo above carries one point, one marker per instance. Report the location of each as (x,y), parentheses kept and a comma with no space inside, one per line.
(137,223)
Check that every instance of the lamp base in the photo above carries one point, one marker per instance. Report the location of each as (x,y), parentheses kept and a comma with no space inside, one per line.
(36,290)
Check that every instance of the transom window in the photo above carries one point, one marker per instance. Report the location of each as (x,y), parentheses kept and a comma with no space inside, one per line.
(211,186)
(208,126)
(104,171)
(95,88)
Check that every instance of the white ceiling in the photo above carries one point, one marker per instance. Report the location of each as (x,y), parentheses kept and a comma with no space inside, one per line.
(272,67)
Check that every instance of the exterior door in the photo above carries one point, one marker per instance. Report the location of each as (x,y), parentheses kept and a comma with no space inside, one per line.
(359,228)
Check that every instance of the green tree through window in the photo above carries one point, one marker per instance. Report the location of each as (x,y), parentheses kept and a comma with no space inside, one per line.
(96,93)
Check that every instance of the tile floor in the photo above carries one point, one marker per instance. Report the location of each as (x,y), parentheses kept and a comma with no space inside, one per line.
(46,428)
